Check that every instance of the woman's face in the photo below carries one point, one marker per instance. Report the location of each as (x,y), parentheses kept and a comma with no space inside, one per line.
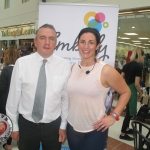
(87,45)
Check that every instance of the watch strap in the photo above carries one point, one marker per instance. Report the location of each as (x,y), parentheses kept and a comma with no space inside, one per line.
(113,114)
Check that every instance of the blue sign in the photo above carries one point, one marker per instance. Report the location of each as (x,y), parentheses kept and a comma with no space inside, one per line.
(62,147)
(65,147)
(40,147)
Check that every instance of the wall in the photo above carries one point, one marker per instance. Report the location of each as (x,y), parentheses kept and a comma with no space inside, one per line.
(28,12)
(18,12)
(124,4)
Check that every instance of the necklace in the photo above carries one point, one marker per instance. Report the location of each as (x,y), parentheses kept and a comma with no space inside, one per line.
(88,71)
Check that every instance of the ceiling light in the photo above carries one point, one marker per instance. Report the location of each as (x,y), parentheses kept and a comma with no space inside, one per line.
(146,44)
(129,12)
(120,42)
(131,33)
(148,41)
(127,43)
(136,41)
(143,38)
(133,27)
(132,44)
(144,10)
(124,38)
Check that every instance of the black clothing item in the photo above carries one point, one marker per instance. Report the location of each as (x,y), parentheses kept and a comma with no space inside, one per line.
(126,120)
(132,70)
(32,134)
(5,78)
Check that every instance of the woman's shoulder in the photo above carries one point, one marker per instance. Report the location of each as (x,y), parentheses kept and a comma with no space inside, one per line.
(106,68)
(100,62)
(8,67)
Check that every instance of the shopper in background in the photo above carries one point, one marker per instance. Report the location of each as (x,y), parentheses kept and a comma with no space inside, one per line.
(88,86)
(19,47)
(33,50)
(132,73)
(2,59)
(10,56)
(117,66)
(37,102)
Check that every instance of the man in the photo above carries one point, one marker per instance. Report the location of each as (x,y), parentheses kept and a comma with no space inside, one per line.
(32,123)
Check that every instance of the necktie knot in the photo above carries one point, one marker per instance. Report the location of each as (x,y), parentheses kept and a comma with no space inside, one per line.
(44,61)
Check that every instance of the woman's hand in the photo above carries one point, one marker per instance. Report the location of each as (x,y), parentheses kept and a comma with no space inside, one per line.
(104,123)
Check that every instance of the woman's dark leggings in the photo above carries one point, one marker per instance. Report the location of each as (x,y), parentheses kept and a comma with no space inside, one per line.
(126,121)
(94,140)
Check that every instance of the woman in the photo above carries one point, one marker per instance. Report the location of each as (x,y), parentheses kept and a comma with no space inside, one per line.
(10,57)
(132,73)
(87,87)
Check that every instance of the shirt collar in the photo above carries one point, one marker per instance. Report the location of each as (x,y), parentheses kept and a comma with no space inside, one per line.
(40,58)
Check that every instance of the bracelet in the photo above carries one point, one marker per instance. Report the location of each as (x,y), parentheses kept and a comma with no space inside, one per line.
(113,114)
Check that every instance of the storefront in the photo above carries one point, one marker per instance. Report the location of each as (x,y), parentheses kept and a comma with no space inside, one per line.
(17,35)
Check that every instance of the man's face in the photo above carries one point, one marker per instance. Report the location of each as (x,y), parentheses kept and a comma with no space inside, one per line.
(45,42)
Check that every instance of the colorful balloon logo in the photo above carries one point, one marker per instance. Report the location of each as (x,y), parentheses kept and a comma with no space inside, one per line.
(95,20)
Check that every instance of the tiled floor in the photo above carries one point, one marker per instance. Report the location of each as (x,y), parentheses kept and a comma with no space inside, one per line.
(114,143)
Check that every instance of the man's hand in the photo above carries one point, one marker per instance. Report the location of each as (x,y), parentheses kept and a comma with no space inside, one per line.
(62,135)
(15,135)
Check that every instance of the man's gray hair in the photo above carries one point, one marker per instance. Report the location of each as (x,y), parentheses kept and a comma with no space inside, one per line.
(46,26)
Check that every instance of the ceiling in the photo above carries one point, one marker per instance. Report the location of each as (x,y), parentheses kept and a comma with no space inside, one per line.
(141,22)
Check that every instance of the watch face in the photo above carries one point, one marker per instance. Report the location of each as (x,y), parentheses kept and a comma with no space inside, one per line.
(114,115)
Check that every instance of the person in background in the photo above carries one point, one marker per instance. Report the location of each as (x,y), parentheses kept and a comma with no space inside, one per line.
(87,87)
(2,59)
(19,47)
(117,66)
(33,49)
(37,102)
(132,73)
(11,54)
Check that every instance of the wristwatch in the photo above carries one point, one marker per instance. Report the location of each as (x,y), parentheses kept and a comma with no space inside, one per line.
(113,114)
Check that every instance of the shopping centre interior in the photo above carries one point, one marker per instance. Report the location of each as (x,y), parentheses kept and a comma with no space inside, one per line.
(19,22)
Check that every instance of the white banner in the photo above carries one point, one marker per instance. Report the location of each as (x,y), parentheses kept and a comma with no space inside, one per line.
(69,19)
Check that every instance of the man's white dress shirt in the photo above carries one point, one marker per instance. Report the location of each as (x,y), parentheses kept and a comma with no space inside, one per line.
(23,87)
